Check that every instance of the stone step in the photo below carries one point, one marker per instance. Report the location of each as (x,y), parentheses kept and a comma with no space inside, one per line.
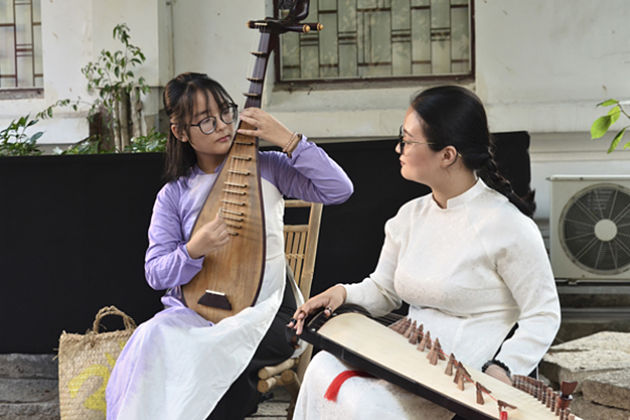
(30,411)
(591,411)
(28,390)
(611,389)
(28,366)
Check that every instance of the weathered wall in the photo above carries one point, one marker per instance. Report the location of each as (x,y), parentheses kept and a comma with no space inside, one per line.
(540,66)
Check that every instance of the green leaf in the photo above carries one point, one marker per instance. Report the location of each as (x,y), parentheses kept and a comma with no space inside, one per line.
(614,113)
(608,102)
(617,139)
(36,136)
(600,126)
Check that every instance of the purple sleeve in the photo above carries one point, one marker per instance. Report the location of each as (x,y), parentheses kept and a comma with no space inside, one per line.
(167,263)
(309,174)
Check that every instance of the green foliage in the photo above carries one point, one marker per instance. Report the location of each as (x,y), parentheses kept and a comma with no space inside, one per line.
(601,125)
(111,75)
(88,146)
(113,79)
(154,141)
(14,141)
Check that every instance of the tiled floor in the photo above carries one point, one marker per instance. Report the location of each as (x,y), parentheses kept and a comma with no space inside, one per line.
(275,408)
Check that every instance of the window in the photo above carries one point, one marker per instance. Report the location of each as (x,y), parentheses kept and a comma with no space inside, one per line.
(376,39)
(20,44)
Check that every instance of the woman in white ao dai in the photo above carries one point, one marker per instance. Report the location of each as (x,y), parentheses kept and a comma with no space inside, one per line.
(467,258)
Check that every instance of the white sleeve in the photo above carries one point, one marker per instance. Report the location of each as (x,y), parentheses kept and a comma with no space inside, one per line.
(376,293)
(525,268)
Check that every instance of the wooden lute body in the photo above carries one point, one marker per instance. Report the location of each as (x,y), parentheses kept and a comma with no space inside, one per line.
(231,276)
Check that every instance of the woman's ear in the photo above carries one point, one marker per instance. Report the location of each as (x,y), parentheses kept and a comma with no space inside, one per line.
(179,136)
(449,155)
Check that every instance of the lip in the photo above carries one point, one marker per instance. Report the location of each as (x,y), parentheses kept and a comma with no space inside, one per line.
(223,139)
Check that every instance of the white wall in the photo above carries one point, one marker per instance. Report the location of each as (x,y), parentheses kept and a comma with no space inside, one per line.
(220,43)
(545,64)
(541,66)
(73,34)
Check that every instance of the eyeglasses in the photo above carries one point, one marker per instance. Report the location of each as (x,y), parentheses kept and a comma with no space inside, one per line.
(208,125)
(401,142)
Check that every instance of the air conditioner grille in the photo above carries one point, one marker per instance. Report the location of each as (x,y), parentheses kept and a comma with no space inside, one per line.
(595,229)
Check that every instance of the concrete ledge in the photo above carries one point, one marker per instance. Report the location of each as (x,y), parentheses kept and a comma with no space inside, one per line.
(580,365)
(30,411)
(611,389)
(28,390)
(28,366)
(601,364)
(592,411)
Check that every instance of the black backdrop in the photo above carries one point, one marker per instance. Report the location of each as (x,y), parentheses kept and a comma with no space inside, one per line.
(73,233)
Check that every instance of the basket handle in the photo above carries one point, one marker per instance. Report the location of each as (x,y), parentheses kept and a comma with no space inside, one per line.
(112,310)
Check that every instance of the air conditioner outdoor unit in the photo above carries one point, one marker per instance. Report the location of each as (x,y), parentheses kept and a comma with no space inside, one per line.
(589,227)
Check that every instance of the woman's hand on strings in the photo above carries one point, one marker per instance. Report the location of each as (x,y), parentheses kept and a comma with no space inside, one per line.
(499,373)
(330,300)
(265,127)
(211,236)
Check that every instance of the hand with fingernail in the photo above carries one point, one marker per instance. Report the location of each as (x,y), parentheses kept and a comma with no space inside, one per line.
(330,300)
(209,237)
(265,126)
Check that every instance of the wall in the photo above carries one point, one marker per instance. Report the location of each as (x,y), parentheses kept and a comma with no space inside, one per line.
(540,66)
(73,34)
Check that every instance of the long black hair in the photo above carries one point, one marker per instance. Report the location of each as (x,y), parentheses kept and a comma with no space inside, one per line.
(179,102)
(454,116)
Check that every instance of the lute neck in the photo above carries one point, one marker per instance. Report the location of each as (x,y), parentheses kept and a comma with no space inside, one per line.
(254,95)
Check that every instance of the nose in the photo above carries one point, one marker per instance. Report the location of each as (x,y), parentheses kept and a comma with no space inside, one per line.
(221,126)
(398,148)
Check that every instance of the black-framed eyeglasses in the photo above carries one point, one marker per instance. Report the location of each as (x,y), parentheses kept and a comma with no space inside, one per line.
(401,142)
(228,115)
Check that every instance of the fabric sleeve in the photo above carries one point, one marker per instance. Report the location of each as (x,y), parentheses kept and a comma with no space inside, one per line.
(525,268)
(167,263)
(376,293)
(309,174)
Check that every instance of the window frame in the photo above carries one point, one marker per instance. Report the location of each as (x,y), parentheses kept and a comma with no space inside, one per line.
(23,92)
(373,82)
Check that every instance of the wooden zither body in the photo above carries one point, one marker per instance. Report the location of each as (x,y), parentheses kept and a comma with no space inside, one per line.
(410,358)
(231,277)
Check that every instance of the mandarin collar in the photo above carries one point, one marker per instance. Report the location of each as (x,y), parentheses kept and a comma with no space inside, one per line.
(465,197)
(196,170)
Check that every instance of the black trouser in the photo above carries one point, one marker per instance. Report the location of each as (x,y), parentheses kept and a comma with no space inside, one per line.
(241,399)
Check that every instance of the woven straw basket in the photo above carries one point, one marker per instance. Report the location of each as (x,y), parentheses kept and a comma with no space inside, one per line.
(85,363)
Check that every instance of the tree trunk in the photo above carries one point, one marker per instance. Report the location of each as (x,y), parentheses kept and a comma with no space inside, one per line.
(123,121)
(138,124)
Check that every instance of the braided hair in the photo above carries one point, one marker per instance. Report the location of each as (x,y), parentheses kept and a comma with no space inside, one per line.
(454,116)
(179,102)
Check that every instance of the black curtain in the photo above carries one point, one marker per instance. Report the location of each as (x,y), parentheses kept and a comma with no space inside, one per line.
(73,233)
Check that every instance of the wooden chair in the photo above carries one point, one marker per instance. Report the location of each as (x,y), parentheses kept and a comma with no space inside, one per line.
(300,249)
